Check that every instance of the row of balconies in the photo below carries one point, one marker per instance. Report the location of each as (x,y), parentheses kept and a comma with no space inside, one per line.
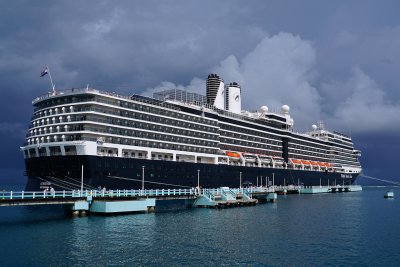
(53,111)
(131,106)
(55,129)
(51,139)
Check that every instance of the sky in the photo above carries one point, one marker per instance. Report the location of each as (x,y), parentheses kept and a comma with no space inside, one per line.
(330,61)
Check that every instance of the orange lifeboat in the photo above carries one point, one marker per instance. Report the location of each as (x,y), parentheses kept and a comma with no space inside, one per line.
(321,164)
(296,161)
(233,154)
(305,162)
(325,164)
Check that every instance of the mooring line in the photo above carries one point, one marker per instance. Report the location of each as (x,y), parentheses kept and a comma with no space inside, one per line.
(381,180)
(146,181)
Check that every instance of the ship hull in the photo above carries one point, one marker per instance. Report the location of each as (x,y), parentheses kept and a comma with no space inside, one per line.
(64,172)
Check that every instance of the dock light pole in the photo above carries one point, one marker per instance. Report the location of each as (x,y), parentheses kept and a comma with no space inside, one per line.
(82,180)
(198,181)
(142,177)
(240,185)
(273,180)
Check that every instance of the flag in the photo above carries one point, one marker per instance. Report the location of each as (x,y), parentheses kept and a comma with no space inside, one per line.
(44,72)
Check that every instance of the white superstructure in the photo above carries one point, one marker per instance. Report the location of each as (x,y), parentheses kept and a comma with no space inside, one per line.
(181,126)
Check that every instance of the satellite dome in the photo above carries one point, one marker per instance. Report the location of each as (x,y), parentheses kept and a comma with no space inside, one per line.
(285,109)
(264,109)
(314,127)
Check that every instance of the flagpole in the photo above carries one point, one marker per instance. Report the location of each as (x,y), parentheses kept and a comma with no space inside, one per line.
(51,80)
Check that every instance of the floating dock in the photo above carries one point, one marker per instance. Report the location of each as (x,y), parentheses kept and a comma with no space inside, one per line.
(330,189)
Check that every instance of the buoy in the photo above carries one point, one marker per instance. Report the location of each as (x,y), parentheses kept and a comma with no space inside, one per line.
(389,194)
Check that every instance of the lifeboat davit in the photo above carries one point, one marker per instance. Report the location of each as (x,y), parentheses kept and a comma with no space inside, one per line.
(249,157)
(278,160)
(265,158)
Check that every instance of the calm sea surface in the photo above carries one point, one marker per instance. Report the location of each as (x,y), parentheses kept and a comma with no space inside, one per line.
(344,229)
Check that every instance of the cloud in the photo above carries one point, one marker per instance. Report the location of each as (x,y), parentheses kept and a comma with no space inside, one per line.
(96,29)
(346,38)
(279,70)
(366,108)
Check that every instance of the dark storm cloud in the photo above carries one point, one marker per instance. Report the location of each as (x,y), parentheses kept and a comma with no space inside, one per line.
(132,43)
(330,60)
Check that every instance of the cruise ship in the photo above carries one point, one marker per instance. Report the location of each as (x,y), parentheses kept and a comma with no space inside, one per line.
(177,139)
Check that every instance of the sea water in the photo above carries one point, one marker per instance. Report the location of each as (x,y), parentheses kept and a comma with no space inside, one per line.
(342,229)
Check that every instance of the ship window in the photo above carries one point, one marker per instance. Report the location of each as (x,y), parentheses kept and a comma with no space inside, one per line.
(70,150)
(32,152)
(55,151)
(42,152)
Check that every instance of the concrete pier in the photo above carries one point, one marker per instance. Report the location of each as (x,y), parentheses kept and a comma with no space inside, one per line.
(80,203)
(330,189)
(124,206)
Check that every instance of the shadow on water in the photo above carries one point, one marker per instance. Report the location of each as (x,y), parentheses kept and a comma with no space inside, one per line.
(20,215)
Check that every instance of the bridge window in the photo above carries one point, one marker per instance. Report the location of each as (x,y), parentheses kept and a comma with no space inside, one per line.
(70,150)
(55,151)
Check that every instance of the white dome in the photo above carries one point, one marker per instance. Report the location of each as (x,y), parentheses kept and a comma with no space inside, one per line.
(264,109)
(314,127)
(285,109)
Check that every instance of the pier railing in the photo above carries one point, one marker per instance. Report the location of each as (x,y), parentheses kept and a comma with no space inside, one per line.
(17,195)
(14,198)
(189,192)
(23,195)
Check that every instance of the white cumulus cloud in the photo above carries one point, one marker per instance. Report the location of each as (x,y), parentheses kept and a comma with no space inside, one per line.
(366,108)
(278,71)
(281,69)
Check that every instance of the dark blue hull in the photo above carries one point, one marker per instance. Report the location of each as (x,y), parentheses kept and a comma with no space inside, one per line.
(64,172)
